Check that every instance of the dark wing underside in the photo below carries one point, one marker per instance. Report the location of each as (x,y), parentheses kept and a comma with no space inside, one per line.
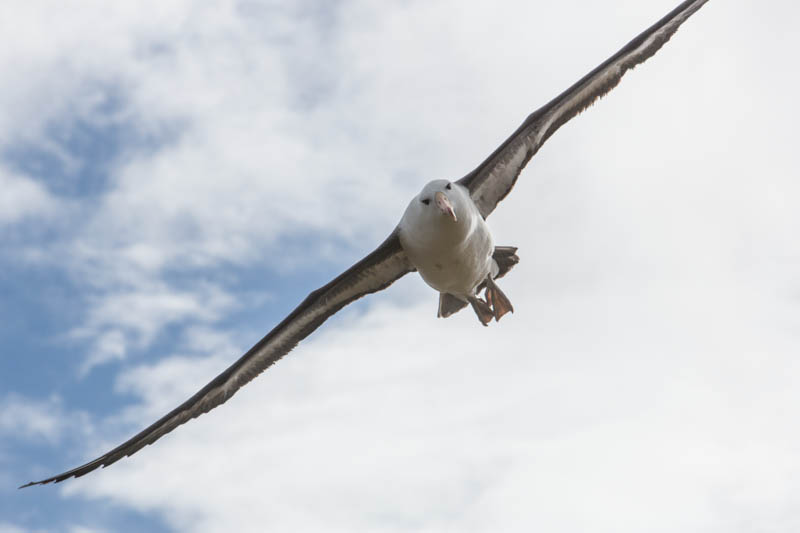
(494,178)
(376,271)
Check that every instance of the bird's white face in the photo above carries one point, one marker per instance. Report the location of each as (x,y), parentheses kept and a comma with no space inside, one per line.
(440,201)
(441,212)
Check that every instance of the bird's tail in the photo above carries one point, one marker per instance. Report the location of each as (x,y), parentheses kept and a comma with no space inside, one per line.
(505,257)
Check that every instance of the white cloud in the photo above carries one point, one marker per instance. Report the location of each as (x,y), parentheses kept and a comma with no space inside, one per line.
(238,175)
(134,316)
(23,198)
(30,419)
(658,410)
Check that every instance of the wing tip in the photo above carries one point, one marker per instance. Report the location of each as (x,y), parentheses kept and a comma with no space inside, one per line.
(74,473)
(42,482)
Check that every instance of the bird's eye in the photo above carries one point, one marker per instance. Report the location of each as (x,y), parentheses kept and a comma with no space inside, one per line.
(449,186)
(426,201)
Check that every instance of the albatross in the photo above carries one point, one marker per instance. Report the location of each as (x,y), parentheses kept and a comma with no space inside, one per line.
(443,235)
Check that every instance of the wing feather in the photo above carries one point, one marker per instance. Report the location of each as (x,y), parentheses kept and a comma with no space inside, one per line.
(495,177)
(375,272)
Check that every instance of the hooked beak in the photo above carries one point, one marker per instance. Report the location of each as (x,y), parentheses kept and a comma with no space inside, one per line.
(443,203)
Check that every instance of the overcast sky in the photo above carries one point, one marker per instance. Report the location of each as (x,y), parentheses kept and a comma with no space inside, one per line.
(176,176)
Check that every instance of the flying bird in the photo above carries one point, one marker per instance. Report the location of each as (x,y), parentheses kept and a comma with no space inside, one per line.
(443,235)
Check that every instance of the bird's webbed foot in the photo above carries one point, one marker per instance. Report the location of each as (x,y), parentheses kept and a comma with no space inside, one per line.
(497,300)
(482,309)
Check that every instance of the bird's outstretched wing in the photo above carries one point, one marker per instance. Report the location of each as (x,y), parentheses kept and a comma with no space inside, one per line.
(495,177)
(376,271)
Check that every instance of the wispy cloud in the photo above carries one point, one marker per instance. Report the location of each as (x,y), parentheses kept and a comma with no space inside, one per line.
(213,169)
(23,198)
(548,430)
(132,317)
(35,420)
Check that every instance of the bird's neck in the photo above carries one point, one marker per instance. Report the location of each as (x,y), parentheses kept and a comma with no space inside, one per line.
(440,233)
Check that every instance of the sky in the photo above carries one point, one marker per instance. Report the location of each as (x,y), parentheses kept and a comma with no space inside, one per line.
(176,176)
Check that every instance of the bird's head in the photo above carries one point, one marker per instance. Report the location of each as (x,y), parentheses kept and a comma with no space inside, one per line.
(438,199)
(440,211)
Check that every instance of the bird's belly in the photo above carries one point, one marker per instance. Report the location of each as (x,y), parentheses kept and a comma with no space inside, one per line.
(457,276)
(456,269)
